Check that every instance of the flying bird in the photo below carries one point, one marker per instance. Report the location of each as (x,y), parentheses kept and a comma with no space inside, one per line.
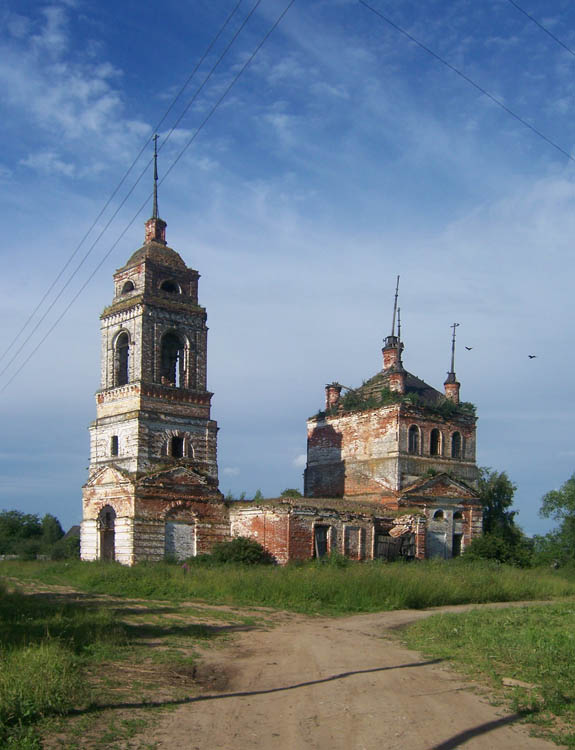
(532,356)
(469,348)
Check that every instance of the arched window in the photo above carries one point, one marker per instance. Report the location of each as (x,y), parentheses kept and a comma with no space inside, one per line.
(114,447)
(456,445)
(438,515)
(173,360)
(458,516)
(435,443)
(122,359)
(413,439)
(128,287)
(170,286)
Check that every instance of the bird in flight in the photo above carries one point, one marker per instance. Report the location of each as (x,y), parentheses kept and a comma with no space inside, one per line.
(469,348)
(532,356)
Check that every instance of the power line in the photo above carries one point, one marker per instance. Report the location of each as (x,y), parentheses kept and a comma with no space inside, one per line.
(115,192)
(128,194)
(543,28)
(145,203)
(468,80)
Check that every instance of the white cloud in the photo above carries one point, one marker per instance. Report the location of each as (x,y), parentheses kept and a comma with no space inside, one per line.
(231,471)
(47,162)
(300,461)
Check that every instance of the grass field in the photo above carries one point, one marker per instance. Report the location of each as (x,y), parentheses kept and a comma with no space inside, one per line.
(534,646)
(314,588)
(53,646)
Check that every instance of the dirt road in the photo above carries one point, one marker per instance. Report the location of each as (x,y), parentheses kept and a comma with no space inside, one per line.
(336,684)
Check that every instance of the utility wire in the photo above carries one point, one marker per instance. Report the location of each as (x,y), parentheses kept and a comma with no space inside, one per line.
(114,193)
(145,203)
(131,190)
(469,80)
(536,22)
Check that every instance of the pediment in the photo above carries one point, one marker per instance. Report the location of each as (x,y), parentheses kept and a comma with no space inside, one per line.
(108,475)
(440,486)
(178,475)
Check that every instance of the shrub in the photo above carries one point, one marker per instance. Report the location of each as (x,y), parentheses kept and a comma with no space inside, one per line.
(241,550)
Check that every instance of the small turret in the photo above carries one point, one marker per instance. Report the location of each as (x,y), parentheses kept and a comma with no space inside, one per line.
(451,385)
(332,395)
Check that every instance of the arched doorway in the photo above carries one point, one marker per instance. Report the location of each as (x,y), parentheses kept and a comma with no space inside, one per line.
(106,526)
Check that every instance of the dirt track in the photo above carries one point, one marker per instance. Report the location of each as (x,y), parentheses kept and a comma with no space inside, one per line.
(337,684)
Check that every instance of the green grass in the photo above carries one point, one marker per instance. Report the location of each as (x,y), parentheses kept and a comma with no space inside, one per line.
(312,588)
(60,653)
(535,645)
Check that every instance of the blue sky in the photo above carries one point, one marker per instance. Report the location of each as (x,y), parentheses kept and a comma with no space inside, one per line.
(344,155)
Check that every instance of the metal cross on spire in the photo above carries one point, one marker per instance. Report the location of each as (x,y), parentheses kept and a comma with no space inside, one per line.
(395,308)
(155,214)
(452,371)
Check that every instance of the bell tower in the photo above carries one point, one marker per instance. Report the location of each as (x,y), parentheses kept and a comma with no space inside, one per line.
(153,443)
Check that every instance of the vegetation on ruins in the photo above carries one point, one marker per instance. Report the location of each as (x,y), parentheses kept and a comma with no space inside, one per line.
(355,400)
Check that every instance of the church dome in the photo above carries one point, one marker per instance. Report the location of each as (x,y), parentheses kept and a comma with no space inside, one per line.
(158,253)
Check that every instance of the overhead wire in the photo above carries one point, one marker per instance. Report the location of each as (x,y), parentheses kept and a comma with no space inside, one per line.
(130,191)
(146,202)
(543,28)
(116,190)
(469,80)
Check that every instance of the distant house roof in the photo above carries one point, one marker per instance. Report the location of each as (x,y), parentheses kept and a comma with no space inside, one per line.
(72,531)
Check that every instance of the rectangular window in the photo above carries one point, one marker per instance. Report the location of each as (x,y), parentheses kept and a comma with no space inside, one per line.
(178,447)
(320,541)
(114,445)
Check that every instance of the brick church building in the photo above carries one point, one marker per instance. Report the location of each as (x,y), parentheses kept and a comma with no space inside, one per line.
(390,465)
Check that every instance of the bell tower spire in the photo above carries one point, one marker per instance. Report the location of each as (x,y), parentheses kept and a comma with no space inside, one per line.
(155,227)
(451,385)
(392,346)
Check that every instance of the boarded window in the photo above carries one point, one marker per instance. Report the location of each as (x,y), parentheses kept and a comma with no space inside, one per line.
(180,540)
(413,439)
(114,448)
(435,443)
(394,548)
(456,445)
(122,359)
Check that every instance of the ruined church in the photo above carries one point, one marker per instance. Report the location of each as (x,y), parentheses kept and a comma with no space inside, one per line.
(390,469)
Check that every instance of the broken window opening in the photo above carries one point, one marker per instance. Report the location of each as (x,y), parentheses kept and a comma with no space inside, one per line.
(122,359)
(413,439)
(435,443)
(128,287)
(114,447)
(438,515)
(320,547)
(172,361)
(177,447)
(170,286)
(456,445)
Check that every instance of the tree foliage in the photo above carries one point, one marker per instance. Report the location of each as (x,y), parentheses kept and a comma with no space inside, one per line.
(291,492)
(27,535)
(241,550)
(496,492)
(558,545)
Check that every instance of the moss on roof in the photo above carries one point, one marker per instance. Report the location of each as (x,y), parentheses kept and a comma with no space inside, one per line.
(159,253)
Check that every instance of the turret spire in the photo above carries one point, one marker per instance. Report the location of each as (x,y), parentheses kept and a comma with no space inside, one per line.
(156,227)
(392,346)
(155,214)
(451,385)
(395,308)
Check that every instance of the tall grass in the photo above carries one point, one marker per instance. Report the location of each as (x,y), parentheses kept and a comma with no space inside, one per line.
(44,644)
(311,588)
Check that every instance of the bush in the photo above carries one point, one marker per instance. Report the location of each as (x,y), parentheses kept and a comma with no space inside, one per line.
(242,550)
(513,549)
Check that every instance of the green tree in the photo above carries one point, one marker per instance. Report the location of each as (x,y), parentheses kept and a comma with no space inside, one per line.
(258,495)
(559,544)
(51,529)
(16,528)
(291,492)
(496,492)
